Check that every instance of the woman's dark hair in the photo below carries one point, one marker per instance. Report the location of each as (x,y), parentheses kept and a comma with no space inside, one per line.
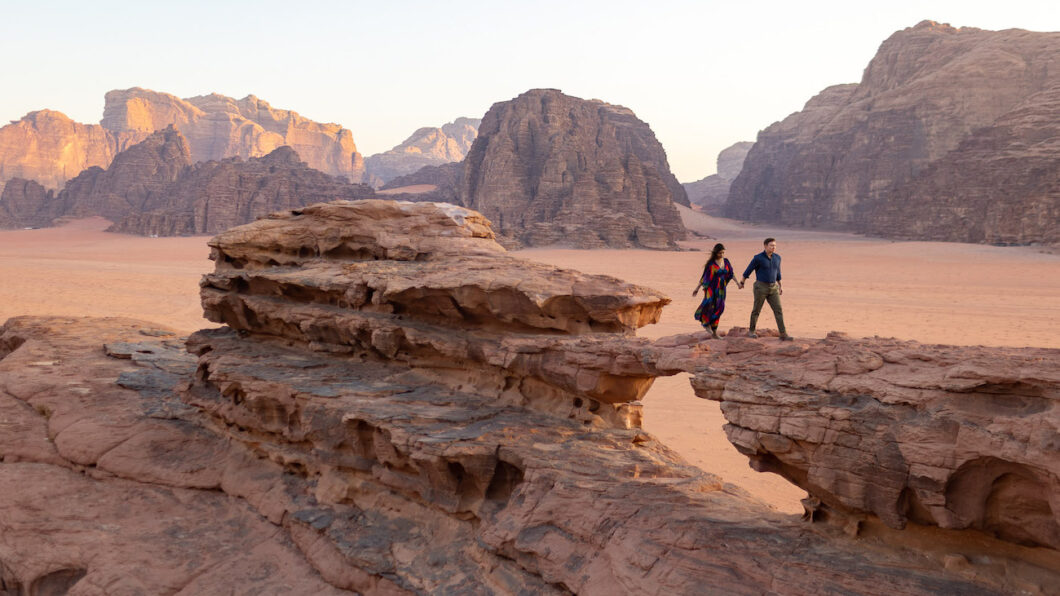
(713,256)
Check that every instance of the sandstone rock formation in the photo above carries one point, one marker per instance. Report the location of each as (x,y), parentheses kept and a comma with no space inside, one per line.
(425,147)
(711,192)
(109,490)
(135,177)
(152,188)
(50,149)
(396,406)
(439,184)
(548,168)
(954,437)
(26,204)
(218,127)
(1000,186)
(857,155)
(217,195)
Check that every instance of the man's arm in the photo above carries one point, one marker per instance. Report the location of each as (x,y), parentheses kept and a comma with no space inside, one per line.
(750,268)
(780,288)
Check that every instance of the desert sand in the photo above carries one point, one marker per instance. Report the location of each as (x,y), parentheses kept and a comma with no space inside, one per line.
(926,291)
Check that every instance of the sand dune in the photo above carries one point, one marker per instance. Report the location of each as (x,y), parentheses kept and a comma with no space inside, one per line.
(930,292)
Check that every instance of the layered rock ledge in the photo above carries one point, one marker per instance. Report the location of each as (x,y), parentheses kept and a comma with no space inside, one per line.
(954,437)
(395,406)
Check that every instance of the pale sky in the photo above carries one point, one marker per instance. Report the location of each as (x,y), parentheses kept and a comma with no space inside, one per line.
(703,74)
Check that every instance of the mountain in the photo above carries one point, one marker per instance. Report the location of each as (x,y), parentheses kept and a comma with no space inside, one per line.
(50,148)
(549,168)
(429,183)
(929,105)
(425,147)
(711,192)
(153,188)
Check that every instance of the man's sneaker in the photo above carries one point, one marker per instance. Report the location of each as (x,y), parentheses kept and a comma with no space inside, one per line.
(752,335)
(786,338)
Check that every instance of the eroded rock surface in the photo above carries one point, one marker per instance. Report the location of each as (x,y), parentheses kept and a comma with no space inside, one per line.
(110,490)
(371,422)
(954,437)
(548,168)
(952,127)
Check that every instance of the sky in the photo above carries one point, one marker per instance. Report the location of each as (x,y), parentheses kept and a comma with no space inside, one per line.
(703,75)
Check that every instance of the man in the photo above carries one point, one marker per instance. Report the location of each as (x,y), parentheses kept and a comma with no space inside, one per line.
(767,288)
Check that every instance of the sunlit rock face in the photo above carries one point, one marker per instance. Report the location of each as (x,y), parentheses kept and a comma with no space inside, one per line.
(950,135)
(218,127)
(49,148)
(548,168)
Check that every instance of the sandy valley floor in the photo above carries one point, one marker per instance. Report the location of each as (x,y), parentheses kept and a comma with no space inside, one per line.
(929,292)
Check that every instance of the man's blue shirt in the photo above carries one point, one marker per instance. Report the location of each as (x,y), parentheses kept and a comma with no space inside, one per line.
(766,269)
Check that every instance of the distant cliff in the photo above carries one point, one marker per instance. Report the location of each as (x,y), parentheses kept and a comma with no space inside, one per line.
(712,192)
(49,148)
(433,183)
(218,127)
(152,188)
(425,147)
(1001,185)
(938,110)
(214,196)
(549,168)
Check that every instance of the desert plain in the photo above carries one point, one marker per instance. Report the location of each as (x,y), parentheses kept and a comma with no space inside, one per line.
(931,292)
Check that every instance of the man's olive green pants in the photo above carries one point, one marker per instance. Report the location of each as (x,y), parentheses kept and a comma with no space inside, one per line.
(768,293)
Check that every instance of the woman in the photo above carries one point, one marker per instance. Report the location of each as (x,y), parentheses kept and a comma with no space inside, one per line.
(717,273)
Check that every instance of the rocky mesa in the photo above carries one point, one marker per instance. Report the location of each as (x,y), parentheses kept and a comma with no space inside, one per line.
(548,168)
(885,156)
(397,406)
